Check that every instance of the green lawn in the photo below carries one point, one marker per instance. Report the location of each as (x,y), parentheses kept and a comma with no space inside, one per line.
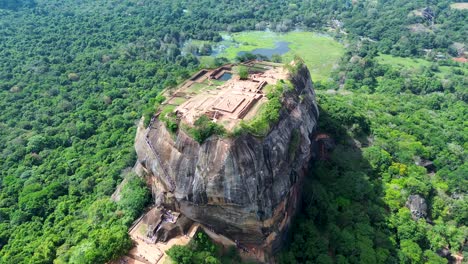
(178,100)
(216,83)
(319,52)
(166,109)
(196,88)
(205,85)
(415,64)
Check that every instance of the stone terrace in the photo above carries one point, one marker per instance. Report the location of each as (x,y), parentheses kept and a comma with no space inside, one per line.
(225,102)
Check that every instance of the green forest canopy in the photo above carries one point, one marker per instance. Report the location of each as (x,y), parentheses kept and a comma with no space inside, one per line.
(75,77)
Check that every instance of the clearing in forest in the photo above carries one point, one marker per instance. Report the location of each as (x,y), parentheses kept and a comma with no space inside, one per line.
(319,51)
(461,6)
(415,64)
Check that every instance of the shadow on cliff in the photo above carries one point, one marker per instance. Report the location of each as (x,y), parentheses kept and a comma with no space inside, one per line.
(342,217)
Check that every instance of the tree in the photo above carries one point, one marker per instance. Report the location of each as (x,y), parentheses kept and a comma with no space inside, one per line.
(276,58)
(180,254)
(205,50)
(243,72)
(36,143)
(200,250)
(410,252)
(324,259)
(379,159)
(134,195)
(204,128)
(432,258)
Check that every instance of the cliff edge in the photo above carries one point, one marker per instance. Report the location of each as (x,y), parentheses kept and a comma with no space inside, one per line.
(244,187)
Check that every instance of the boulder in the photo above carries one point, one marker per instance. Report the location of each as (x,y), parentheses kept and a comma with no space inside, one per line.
(417,206)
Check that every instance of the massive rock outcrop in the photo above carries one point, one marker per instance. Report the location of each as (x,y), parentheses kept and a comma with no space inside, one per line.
(246,188)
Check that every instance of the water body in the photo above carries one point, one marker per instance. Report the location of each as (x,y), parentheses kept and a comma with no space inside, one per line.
(281,47)
(226,76)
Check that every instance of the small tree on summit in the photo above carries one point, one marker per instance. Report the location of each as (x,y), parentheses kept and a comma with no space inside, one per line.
(243,72)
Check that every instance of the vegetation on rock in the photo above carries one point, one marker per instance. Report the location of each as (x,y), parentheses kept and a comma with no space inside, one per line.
(267,115)
(243,72)
(204,128)
(202,250)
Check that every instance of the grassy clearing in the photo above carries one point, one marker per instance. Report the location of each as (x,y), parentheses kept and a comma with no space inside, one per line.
(260,66)
(257,69)
(319,52)
(217,83)
(415,64)
(461,6)
(402,62)
(196,88)
(248,41)
(178,101)
(167,109)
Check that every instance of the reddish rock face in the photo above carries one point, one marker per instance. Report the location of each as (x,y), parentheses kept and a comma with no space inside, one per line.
(246,188)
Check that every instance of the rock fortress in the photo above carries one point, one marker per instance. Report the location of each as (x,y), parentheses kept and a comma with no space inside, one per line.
(241,189)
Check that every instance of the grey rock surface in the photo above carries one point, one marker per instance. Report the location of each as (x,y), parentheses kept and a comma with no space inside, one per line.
(417,206)
(246,188)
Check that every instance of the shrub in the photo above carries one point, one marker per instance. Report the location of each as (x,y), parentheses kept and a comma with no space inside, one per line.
(200,250)
(268,113)
(150,110)
(204,128)
(147,115)
(243,72)
(202,242)
(160,99)
(169,118)
(180,254)
(246,57)
(294,68)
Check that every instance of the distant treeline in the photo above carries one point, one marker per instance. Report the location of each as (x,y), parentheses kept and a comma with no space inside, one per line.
(16,4)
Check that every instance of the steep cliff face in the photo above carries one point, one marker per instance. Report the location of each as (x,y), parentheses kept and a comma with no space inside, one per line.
(246,188)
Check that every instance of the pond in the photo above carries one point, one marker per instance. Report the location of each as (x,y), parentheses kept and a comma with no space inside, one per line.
(226,76)
(281,47)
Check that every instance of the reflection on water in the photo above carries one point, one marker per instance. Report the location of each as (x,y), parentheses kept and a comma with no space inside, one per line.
(281,47)
(226,76)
